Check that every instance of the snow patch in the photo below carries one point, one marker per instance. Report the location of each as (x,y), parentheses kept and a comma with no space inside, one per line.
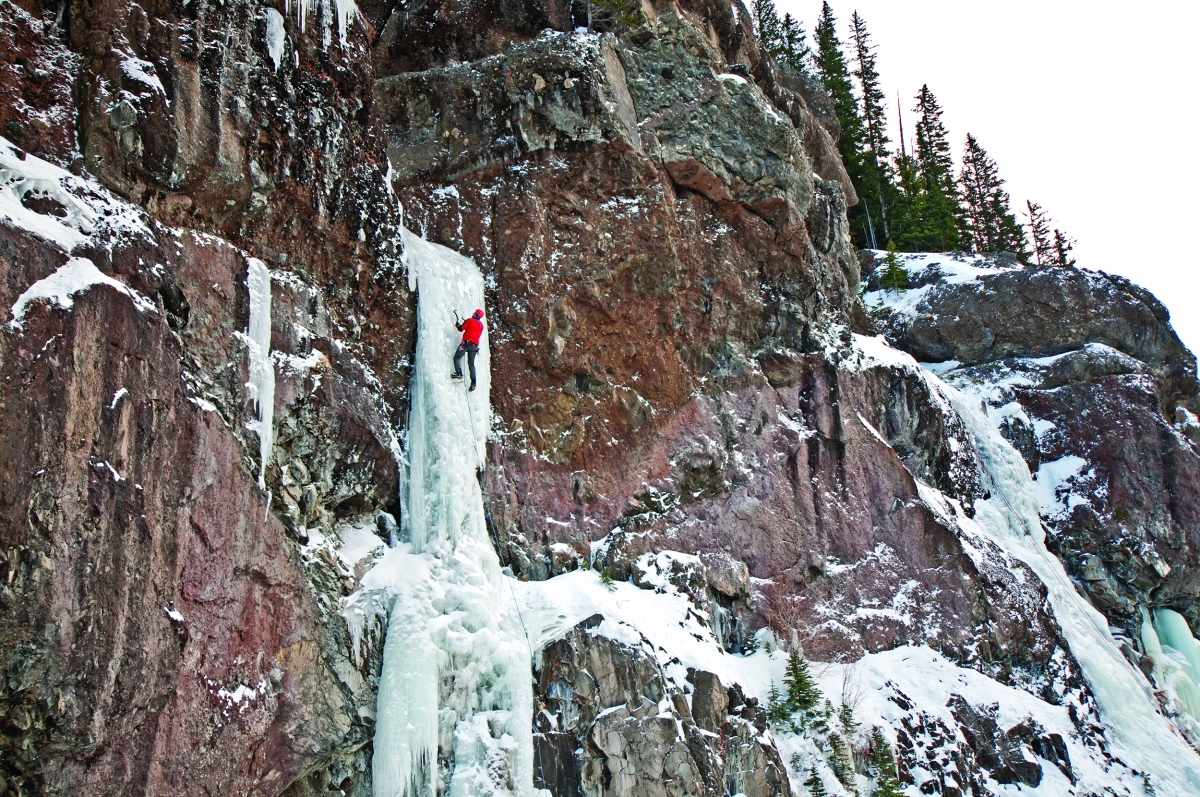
(71,278)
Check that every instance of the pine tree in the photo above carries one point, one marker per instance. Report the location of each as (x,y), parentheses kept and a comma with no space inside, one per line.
(989,225)
(814,784)
(841,763)
(883,766)
(831,67)
(607,580)
(1062,249)
(794,50)
(932,215)
(879,189)
(802,693)
(846,717)
(895,276)
(778,713)
(770,29)
(1039,233)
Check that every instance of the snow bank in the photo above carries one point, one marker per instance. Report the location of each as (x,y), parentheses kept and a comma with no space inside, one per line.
(953,268)
(77,206)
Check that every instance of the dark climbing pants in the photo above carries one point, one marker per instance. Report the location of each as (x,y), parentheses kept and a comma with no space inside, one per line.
(471,350)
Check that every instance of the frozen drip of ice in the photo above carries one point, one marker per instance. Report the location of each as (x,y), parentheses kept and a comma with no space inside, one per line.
(262,371)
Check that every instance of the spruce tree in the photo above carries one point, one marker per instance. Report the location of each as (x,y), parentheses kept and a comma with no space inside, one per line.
(895,276)
(770,29)
(846,717)
(883,766)
(840,762)
(802,693)
(1039,233)
(778,713)
(878,192)
(1062,249)
(831,67)
(794,49)
(814,784)
(932,223)
(988,224)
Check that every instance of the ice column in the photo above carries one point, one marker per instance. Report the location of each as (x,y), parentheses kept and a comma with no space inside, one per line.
(1142,736)
(455,708)
(262,372)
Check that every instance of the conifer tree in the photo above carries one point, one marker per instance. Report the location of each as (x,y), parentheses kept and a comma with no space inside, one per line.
(802,693)
(846,717)
(932,223)
(895,276)
(878,191)
(831,67)
(794,50)
(841,763)
(814,784)
(989,225)
(1039,233)
(883,766)
(778,713)
(1062,249)
(770,28)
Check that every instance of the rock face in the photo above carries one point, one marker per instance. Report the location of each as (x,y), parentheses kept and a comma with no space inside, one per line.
(164,626)
(1097,393)
(610,722)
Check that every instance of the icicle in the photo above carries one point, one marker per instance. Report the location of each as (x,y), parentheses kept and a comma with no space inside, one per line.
(262,372)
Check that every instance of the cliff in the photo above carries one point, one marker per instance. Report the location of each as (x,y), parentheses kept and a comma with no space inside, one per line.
(697,390)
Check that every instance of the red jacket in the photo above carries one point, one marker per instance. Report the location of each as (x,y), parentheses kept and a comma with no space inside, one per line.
(472,328)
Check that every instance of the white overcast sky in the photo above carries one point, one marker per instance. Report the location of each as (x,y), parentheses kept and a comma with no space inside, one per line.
(1091,109)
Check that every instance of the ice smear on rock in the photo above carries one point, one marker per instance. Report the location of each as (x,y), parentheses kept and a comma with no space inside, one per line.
(455,710)
(1141,735)
(262,372)
(276,37)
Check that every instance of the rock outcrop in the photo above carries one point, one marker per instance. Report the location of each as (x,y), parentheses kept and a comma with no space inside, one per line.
(611,722)
(1096,391)
(164,627)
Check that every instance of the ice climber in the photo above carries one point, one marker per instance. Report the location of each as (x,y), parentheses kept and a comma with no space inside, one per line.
(472,328)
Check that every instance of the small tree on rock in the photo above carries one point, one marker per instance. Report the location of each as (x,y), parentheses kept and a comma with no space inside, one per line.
(883,766)
(1062,249)
(1039,233)
(778,713)
(894,276)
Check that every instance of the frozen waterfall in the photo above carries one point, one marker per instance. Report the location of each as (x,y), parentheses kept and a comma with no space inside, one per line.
(1141,735)
(455,710)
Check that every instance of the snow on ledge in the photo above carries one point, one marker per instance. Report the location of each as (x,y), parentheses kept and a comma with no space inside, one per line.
(73,277)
